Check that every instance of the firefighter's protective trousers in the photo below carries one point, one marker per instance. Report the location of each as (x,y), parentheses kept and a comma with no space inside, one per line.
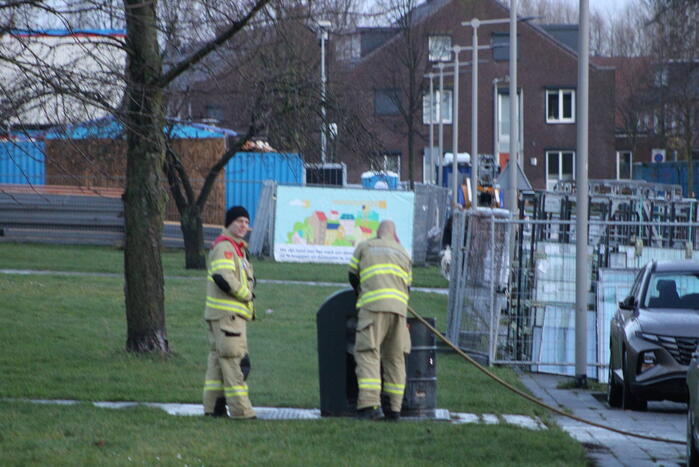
(226,316)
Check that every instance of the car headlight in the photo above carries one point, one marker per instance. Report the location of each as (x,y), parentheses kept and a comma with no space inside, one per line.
(647,360)
(649,337)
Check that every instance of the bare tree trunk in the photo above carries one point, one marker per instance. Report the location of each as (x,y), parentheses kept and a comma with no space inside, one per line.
(144,196)
(193,234)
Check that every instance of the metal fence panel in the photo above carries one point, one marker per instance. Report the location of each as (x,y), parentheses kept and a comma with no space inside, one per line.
(480,269)
(535,326)
(430,215)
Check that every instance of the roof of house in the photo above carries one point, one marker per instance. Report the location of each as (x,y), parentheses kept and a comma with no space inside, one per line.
(68,32)
(110,128)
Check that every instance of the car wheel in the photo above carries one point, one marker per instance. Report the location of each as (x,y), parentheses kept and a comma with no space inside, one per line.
(692,453)
(629,400)
(614,389)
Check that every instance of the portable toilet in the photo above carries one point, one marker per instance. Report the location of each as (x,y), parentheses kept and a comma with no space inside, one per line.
(386,180)
(464,166)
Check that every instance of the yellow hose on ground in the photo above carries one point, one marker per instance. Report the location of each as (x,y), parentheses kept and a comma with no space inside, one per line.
(523,394)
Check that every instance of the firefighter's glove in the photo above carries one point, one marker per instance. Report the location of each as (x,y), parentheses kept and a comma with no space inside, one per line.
(221,283)
(245,366)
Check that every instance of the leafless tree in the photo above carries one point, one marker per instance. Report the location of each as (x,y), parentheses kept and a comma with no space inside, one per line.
(142,114)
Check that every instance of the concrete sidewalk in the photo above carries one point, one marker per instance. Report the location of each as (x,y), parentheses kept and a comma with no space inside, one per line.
(606,448)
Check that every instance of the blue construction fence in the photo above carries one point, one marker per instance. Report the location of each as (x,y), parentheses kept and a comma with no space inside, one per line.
(667,172)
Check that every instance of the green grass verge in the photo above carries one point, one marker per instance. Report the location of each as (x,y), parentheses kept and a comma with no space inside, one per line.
(111,260)
(85,435)
(62,337)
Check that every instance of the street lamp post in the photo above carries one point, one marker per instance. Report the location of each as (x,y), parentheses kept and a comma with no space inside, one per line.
(323,27)
(441,123)
(455,129)
(475,23)
(432,112)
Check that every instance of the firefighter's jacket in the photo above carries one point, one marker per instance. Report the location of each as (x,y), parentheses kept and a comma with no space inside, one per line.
(229,258)
(385,274)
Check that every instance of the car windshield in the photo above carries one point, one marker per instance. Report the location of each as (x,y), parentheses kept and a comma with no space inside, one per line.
(673,290)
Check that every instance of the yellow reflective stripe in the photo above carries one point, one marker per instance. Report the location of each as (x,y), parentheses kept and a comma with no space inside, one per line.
(213,385)
(354,263)
(221,264)
(236,391)
(385,268)
(393,388)
(381,294)
(369,383)
(229,305)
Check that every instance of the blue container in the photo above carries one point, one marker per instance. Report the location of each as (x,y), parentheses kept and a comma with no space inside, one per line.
(246,171)
(22,162)
(667,172)
(380,180)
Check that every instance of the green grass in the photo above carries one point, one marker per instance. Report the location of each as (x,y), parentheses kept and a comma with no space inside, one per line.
(111,260)
(84,435)
(62,337)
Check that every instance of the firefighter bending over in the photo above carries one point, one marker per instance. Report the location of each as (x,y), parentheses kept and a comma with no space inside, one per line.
(229,307)
(380,272)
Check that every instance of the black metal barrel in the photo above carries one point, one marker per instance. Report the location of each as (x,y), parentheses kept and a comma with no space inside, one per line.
(420,399)
(336,323)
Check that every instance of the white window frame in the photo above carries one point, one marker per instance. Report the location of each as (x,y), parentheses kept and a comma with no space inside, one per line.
(550,181)
(441,106)
(560,110)
(438,51)
(501,139)
(619,155)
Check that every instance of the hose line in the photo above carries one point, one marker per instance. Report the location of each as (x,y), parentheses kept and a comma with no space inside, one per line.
(533,399)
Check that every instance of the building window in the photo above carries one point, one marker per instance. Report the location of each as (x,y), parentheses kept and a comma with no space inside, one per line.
(500,42)
(624,159)
(387,162)
(442,105)
(560,166)
(502,122)
(560,106)
(439,48)
(386,102)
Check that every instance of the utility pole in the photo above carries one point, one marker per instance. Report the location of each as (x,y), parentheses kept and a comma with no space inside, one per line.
(441,124)
(475,23)
(581,199)
(514,118)
(323,28)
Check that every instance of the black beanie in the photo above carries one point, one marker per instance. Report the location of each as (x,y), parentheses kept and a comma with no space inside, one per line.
(234,213)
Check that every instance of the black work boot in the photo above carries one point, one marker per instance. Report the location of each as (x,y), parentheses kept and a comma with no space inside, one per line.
(220,408)
(392,416)
(370,413)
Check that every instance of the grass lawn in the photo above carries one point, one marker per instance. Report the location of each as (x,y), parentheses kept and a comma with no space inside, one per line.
(62,337)
(111,260)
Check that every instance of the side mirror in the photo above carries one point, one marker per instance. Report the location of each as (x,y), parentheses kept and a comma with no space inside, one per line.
(629,303)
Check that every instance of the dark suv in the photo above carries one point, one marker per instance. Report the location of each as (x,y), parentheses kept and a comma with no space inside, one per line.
(653,334)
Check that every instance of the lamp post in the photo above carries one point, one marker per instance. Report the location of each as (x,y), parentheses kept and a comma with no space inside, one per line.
(581,198)
(441,123)
(323,28)
(432,112)
(475,23)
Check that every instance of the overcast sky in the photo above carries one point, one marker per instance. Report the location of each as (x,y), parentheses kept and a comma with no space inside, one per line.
(604,6)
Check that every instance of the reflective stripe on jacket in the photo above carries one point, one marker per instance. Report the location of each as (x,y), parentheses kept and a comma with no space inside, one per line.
(231,263)
(385,274)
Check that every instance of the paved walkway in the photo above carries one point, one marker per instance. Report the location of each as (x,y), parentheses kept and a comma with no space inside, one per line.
(261,281)
(606,448)
(287,413)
